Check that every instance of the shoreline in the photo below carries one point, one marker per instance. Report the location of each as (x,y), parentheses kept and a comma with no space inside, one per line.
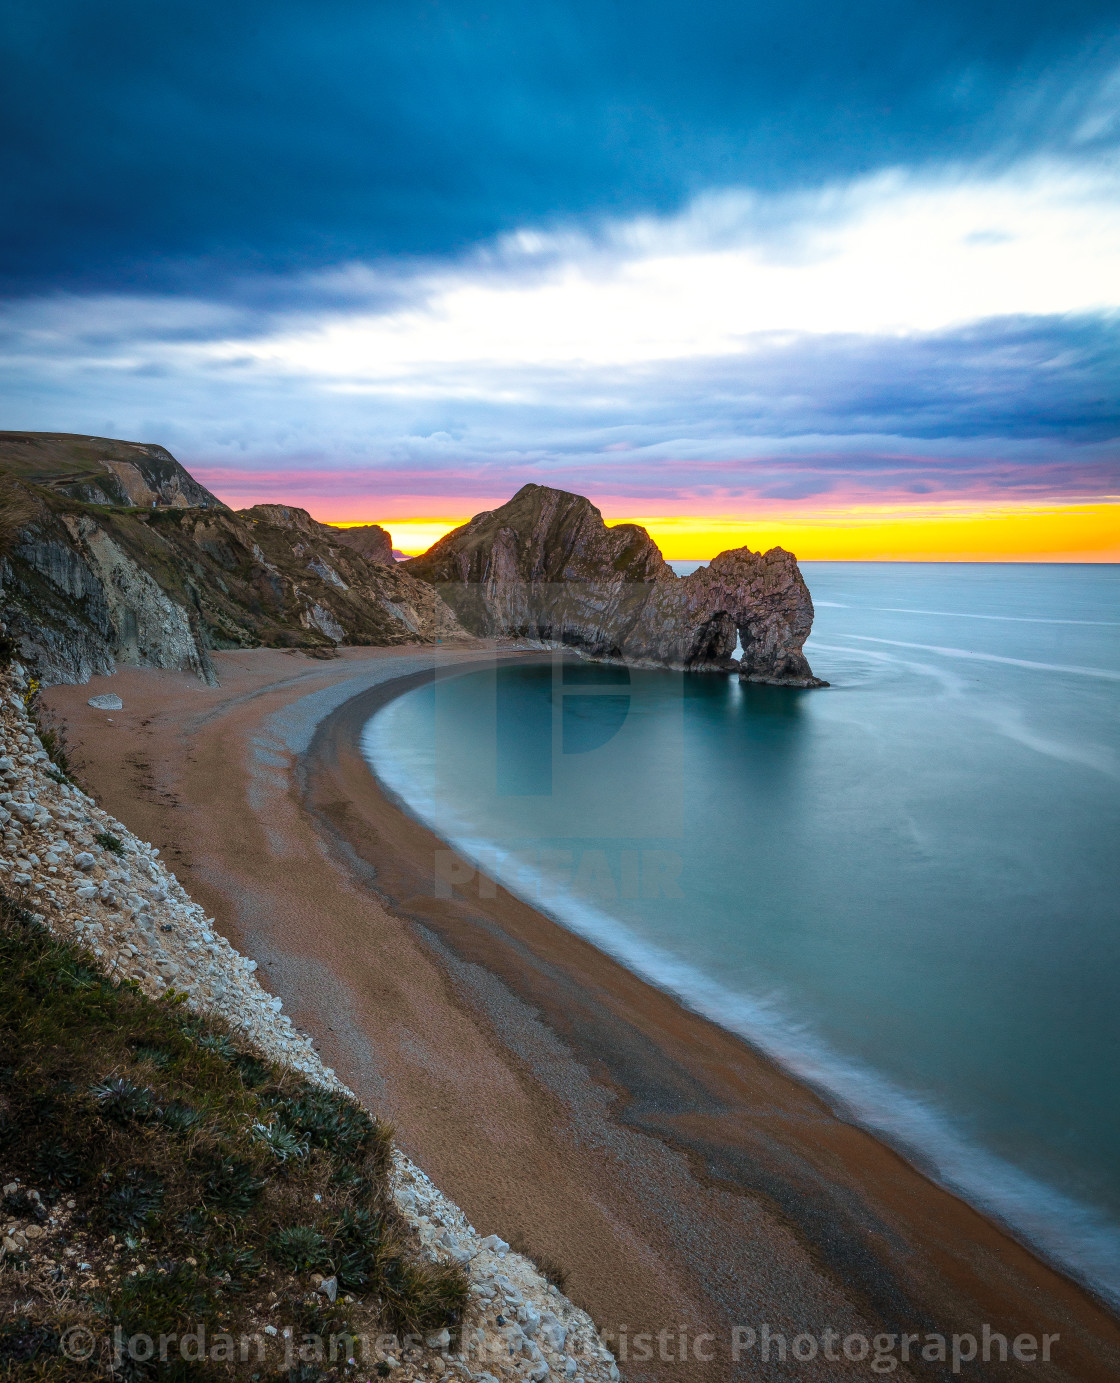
(678,1174)
(856,1095)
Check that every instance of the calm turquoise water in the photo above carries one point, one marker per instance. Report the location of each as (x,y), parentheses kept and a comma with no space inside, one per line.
(904,887)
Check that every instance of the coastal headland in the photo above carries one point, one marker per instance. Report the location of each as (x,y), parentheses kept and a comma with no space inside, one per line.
(685,1184)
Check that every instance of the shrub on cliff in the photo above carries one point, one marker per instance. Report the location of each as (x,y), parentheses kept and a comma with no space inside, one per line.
(193,1181)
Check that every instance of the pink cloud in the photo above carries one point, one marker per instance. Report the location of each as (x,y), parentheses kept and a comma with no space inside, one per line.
(716,487)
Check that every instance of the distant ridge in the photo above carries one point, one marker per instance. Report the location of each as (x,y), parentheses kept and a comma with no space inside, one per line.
(371,540)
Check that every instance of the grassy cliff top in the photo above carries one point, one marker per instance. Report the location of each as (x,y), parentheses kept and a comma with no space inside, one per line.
(102,470)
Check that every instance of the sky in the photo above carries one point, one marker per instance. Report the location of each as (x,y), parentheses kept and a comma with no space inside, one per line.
(844,277)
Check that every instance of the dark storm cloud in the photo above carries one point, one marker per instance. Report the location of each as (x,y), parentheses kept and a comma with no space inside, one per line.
(677,252)
(1013,377)
(175,146)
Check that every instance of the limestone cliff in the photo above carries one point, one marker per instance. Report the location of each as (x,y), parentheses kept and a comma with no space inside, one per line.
(111,552)
(154,570)
(546,567)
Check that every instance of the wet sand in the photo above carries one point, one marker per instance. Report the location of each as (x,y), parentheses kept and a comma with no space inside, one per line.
(684,1182)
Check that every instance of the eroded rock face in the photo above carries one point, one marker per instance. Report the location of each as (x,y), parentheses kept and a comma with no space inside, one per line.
(281,516)
(84,586)
(759,596)
(373,542)
(546,567)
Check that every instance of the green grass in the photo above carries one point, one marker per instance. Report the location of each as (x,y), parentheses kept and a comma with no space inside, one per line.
(218,1181)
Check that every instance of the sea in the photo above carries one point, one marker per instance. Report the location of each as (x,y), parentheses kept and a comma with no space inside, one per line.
(904,888)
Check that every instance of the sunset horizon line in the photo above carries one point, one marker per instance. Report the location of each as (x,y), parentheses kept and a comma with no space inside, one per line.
(1077,531)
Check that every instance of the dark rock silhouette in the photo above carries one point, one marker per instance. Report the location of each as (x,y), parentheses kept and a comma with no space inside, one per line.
(371,540)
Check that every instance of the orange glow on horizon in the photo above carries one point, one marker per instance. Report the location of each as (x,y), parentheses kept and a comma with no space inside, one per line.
(1057,532)
(410,536)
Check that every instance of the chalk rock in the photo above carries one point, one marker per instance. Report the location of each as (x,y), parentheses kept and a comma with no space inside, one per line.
(109,701)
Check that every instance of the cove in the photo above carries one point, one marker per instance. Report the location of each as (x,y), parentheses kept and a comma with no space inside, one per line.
(902,888)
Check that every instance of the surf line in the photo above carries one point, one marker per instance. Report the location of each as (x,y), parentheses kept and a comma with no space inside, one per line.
(962,614)
(994,658)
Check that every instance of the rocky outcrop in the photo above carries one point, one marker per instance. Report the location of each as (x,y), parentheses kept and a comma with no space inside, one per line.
(761,597)
(546,567)
(540,537)
(110,552)
(372,541)
(85,585)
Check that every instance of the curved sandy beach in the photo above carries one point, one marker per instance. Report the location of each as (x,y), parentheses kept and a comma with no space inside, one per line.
(683,1181)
